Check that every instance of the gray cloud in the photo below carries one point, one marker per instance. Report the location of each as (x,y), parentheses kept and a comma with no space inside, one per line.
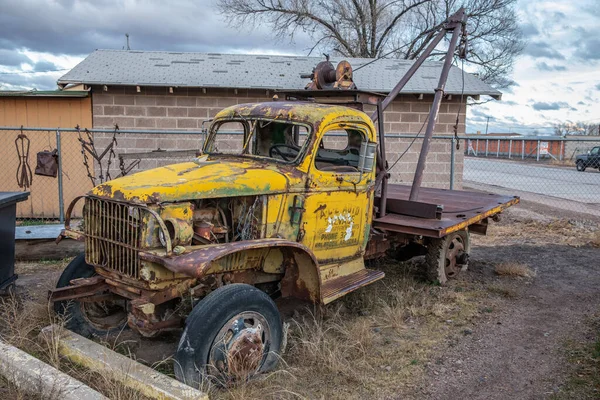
(544,66)
(588,48)
(529,30)
(543,106)
(479,113)
(11,58)
(44,66)
(597,86)
(176,25)
(541,49)
(27,81)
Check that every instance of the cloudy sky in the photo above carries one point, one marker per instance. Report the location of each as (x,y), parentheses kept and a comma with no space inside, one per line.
(557,76)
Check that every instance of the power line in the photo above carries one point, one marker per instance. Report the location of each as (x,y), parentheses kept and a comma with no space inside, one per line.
(33,72)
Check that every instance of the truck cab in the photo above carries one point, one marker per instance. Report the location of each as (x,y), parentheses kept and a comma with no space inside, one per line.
(589,160)
(279,202)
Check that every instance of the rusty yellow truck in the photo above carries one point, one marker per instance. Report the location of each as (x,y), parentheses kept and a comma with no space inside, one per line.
(287,199)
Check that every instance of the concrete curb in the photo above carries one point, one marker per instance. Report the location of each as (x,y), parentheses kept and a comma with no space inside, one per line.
(32,375)
(130,373)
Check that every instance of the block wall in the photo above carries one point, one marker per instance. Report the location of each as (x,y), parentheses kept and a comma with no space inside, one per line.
(185,109)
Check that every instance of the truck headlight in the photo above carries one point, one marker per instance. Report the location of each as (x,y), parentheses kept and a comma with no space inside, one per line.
(161,237)
(171,231)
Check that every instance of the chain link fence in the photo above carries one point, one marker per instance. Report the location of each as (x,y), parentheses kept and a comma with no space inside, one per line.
(542,170)
(561,172)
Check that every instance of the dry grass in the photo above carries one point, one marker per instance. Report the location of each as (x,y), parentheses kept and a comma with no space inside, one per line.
(21,319)
(565,162)
(514,269)
(595,240)
(503,291)
(516,226)
(584,360)
(374,343)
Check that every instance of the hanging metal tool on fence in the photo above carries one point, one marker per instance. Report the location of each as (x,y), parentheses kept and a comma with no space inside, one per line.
(24,175)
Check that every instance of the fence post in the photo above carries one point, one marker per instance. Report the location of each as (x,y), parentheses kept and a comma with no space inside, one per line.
(538,151)
(487,142)
(509,148)
(562,150)
(498,149)
(453,143)
(477,147)
(61,205)
(522,149)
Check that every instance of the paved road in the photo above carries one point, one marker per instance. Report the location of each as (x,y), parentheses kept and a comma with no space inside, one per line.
(558,182)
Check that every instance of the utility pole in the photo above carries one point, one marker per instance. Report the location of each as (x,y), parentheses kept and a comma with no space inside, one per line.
(486,125)
(127,37)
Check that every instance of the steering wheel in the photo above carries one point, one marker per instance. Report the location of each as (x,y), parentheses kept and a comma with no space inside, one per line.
(276,150)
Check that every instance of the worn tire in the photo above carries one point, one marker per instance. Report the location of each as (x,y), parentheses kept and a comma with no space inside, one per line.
(580,166)
(435,258)
(71,310)
(207,319)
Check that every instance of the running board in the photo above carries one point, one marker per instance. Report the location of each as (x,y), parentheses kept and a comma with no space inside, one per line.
(338,287)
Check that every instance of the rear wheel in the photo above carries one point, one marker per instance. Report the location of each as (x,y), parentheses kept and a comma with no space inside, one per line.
(448,256)
(580,166)
(232,334)
(89,318)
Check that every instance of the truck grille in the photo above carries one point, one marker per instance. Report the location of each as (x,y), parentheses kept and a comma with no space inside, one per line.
(112,235)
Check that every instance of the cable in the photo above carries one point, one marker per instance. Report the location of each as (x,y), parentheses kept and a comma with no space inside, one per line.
(33,72)
(426,119)
(409,146)
(462,93)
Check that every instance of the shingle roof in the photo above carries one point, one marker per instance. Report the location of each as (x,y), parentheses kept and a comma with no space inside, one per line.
(245,71)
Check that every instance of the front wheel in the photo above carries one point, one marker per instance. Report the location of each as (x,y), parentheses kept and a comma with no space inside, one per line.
(232,334)
(448,256)
(580,166)
(89,319)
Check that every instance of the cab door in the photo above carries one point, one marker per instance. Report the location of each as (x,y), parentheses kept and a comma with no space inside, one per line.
(594,160)
(338,199)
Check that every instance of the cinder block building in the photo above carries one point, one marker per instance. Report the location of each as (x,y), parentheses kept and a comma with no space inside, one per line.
(145,90)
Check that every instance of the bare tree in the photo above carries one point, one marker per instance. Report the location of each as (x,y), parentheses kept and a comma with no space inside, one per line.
(400,28)
(576,128)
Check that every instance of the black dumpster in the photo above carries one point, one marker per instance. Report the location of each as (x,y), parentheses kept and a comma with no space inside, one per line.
(8,209)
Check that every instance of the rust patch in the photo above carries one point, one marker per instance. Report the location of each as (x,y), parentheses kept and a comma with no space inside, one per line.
(197,260)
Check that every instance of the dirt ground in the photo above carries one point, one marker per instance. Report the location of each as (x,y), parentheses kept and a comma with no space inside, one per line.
(483,336)
(520,350)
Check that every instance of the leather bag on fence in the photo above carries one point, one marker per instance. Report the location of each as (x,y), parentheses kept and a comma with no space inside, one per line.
(47,163)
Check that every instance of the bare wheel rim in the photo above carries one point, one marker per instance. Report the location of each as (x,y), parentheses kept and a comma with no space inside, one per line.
(241,346)
(104,315)
(454,249)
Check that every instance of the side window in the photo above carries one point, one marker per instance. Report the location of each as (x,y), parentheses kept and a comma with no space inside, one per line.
(595,151)
(229,138)
(339,150)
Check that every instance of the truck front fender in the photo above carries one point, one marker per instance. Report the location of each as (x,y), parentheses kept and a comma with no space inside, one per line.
(295,260)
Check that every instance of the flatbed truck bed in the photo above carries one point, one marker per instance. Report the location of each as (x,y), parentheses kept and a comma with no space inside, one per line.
(461,209)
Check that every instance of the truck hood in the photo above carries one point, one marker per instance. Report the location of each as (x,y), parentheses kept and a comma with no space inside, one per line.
(201,178)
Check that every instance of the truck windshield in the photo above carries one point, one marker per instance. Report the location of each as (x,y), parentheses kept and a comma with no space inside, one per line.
(278,140)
